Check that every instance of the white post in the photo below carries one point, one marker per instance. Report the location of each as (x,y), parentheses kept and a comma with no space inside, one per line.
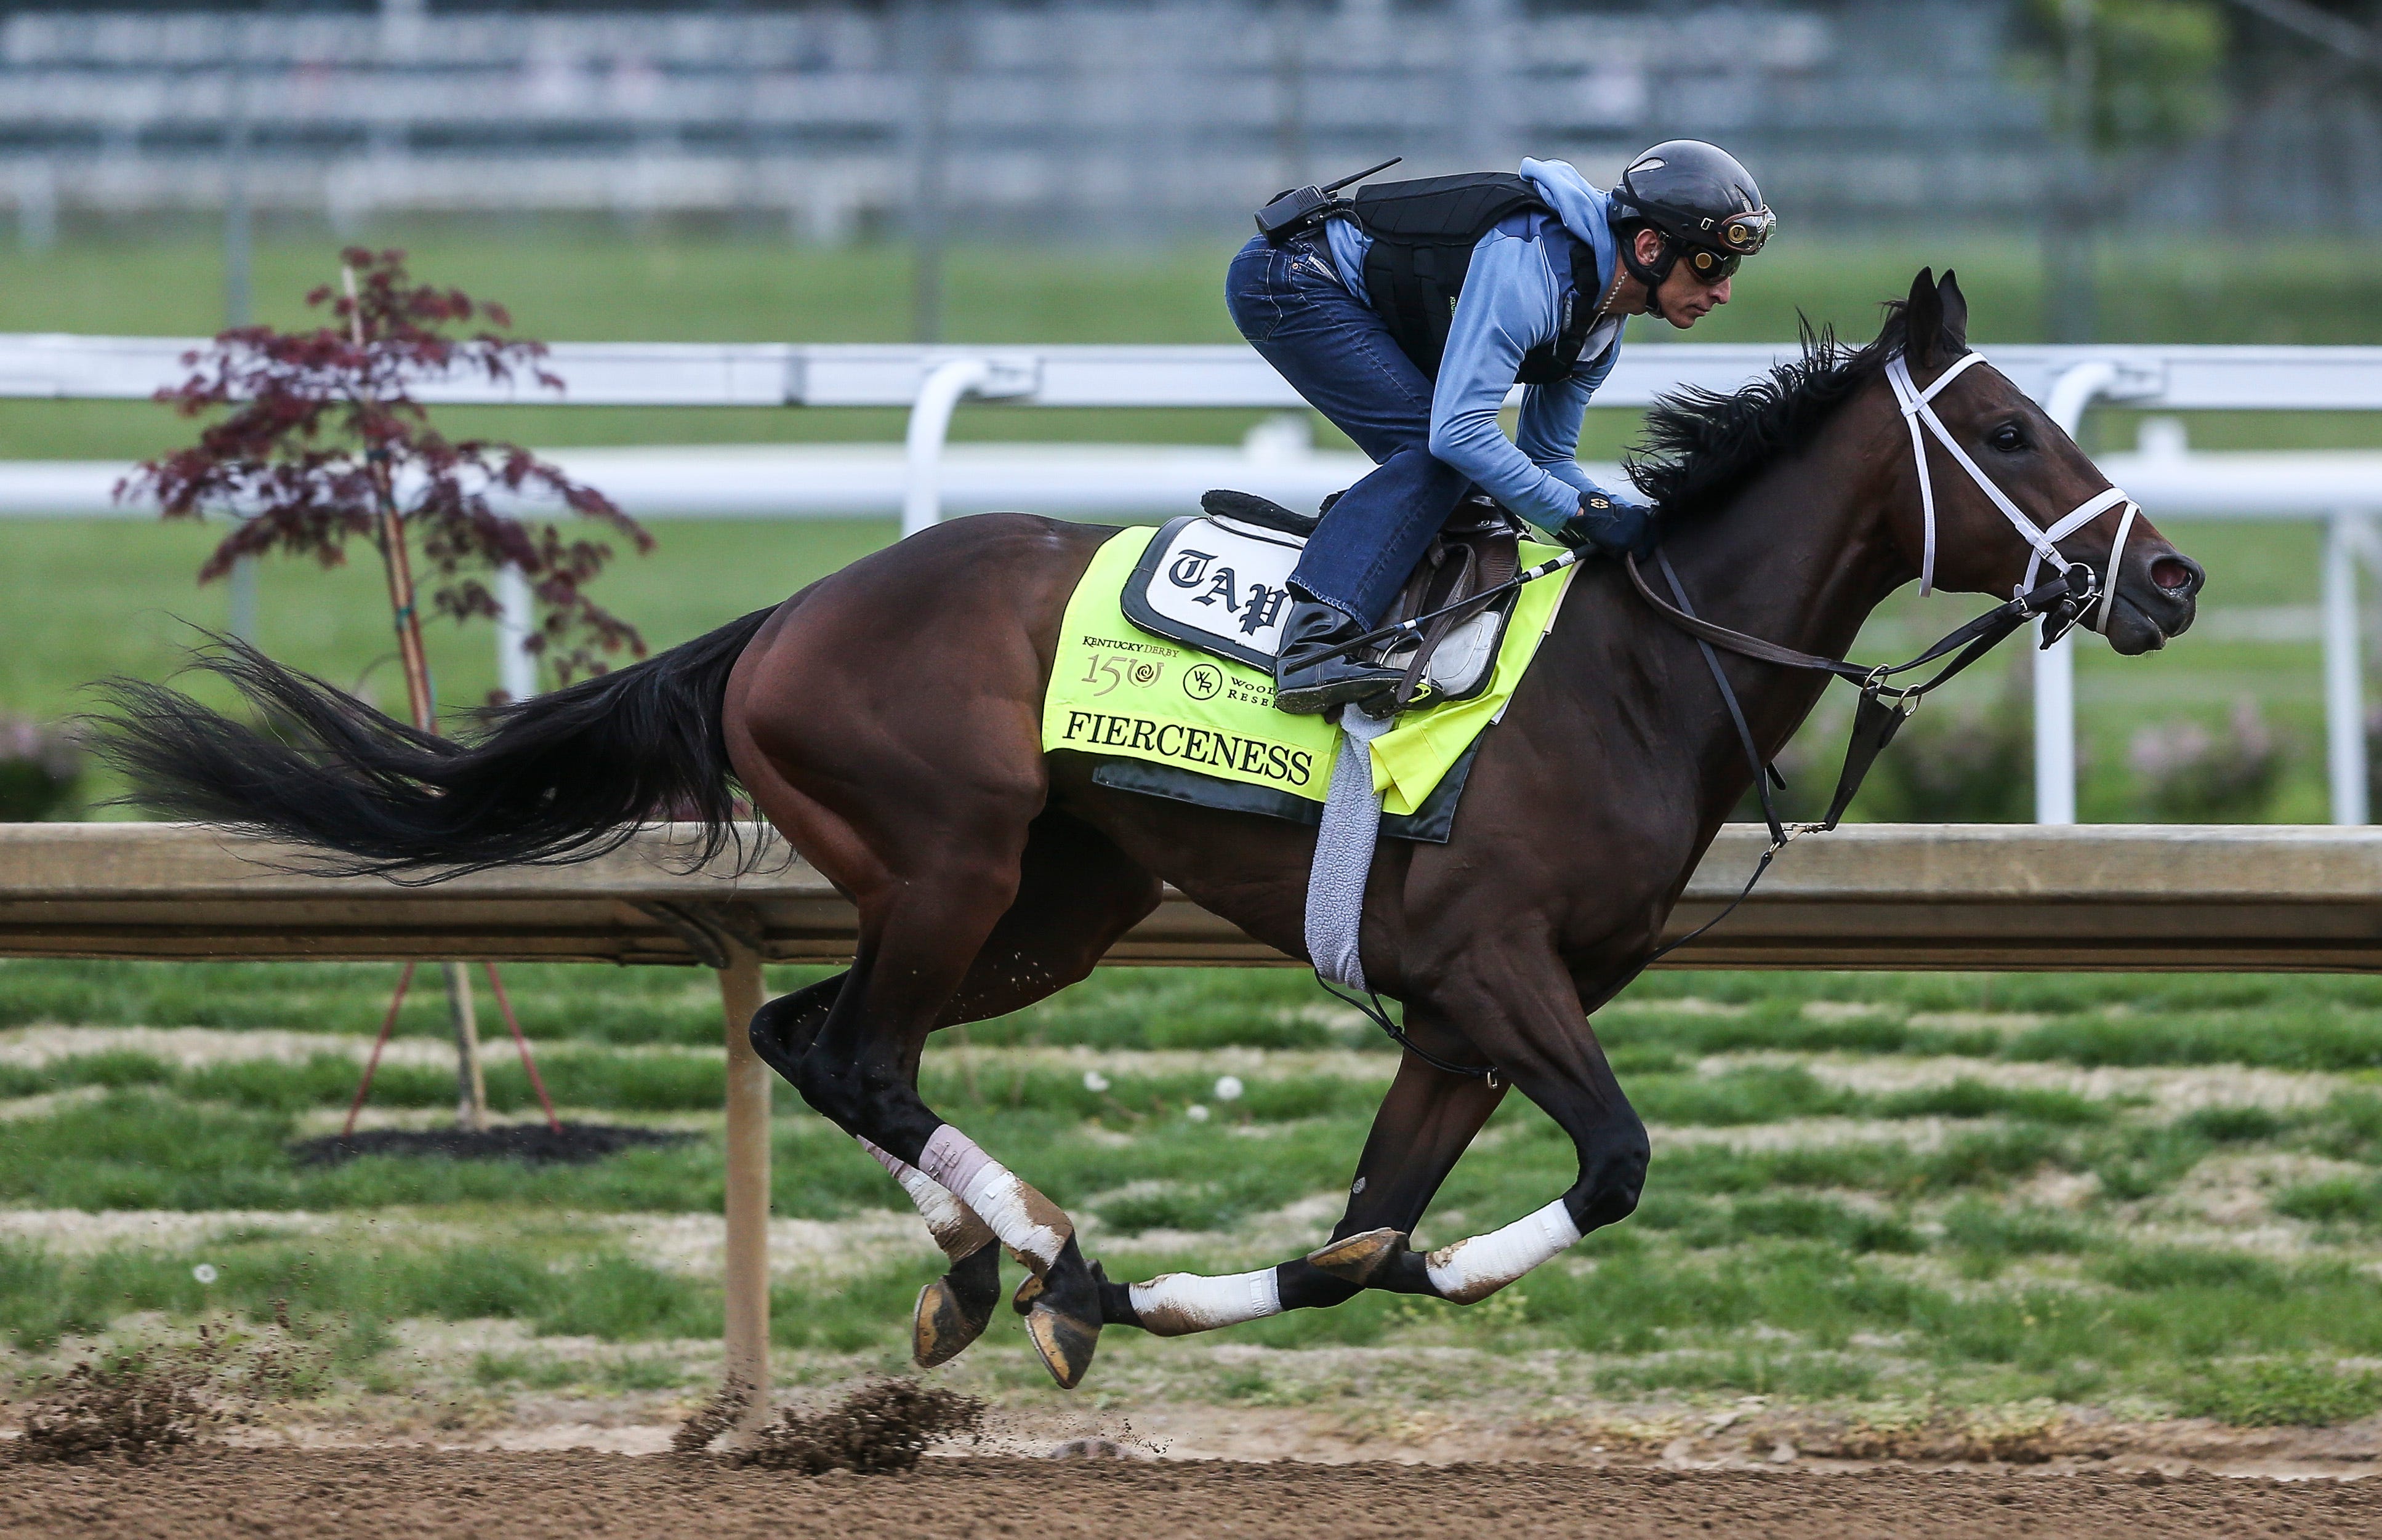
(2055,730)
(2055,667)
(2344,687)
(930,422)
(516,618)
(243,599)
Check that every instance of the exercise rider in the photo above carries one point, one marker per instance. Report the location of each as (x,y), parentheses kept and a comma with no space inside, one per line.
(1407,313)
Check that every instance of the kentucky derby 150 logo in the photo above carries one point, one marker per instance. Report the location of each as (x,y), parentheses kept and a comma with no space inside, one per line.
(1202,681)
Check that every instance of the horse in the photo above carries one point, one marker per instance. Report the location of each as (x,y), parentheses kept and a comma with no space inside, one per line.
(886,723)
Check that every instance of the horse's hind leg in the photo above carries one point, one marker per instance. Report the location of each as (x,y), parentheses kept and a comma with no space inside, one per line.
(1077,893)
(889,724)
(953,1310)
(858,1074)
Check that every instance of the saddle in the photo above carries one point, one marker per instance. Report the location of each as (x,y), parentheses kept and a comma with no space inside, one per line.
(1218,582)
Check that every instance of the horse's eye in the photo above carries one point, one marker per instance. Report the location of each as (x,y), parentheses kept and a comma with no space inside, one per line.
(2007,438)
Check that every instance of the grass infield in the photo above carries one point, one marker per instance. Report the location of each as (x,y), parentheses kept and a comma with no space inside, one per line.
(1867,1189)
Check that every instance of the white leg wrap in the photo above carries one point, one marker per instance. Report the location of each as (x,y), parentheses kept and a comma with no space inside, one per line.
(1477,1269)
(957,1231)
(1027,1223)
(1175,1304)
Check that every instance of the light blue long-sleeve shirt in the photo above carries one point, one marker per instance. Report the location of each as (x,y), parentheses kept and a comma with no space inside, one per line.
(1513,300)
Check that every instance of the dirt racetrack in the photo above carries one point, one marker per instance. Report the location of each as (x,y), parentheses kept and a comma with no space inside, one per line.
(366,1495)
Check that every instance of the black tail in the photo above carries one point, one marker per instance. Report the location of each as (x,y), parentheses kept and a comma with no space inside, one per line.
(564,777)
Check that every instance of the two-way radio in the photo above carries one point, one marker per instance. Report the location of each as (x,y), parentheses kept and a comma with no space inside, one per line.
(1303,207)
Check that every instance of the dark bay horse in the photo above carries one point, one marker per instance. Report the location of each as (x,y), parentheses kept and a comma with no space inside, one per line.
(886,721)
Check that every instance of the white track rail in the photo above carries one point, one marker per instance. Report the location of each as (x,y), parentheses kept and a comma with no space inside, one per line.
(933,382)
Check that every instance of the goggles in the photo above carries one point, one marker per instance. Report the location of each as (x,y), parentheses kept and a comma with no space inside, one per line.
(1742,234)
(1708,266)
(1713,257)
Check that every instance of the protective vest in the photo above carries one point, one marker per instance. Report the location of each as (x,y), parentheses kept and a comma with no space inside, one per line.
(1423,234)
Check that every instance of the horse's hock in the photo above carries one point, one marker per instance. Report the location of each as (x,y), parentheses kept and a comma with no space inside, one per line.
(1870,896)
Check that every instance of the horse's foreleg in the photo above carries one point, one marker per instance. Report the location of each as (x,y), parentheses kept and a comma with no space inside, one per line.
(1531,1025)
(1424,1124)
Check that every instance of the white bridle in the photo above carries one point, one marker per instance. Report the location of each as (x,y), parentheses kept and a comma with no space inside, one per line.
(1916,410)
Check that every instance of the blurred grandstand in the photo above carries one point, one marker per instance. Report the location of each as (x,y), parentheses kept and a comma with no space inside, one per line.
(1115,117)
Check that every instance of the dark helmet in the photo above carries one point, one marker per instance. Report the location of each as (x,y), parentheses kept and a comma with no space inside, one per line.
(1707,206)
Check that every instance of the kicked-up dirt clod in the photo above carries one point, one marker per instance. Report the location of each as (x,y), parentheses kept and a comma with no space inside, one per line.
(707,1422)
(887,1425)
(136,1408)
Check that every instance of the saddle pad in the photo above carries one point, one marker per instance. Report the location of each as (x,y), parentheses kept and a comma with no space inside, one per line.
(1117,692)
(1222,585)
(1219,585)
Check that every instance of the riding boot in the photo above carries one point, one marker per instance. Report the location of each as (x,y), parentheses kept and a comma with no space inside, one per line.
(1307,686)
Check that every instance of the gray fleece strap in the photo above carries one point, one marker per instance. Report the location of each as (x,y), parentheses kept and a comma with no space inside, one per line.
(1344,855)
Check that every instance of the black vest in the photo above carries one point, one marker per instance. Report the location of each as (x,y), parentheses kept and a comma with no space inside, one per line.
(1423,234)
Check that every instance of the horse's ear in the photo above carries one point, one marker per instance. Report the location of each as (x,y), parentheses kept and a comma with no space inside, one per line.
(1955,314)
(1923,320)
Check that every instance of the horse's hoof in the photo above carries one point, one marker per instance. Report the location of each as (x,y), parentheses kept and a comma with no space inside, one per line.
(1356,1258)
(955,1309)
(1065,1343)
(941,1330)
(1062,1314)
(1030,1290)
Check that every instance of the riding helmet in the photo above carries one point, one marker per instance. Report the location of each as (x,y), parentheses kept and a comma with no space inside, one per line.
(1706,204)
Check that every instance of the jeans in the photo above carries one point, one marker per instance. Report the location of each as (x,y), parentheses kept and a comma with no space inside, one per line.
(1289,303)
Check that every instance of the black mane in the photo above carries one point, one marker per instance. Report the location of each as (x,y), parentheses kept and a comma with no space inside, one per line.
(1702,449)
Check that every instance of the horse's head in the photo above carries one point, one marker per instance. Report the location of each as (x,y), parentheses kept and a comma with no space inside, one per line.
(2012,445)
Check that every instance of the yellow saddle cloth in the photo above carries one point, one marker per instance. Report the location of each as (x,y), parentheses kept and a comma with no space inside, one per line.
(1121,692)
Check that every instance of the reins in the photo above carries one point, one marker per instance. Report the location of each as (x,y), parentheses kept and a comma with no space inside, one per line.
(1884,706)
(2062,601)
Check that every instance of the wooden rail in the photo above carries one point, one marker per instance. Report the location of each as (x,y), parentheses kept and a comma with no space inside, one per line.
(2160,897)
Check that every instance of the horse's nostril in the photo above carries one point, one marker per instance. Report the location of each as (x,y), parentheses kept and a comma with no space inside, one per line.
(2179,575)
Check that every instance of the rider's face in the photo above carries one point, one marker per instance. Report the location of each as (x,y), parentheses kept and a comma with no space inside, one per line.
(1685,299)
(1685,302)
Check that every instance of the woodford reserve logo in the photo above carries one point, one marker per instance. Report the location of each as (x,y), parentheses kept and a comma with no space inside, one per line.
(1188,745)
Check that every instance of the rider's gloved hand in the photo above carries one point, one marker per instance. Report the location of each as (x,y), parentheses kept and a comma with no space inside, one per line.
(1609,525)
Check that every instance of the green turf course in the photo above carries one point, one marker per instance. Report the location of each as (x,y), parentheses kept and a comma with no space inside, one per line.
(1858,1196)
